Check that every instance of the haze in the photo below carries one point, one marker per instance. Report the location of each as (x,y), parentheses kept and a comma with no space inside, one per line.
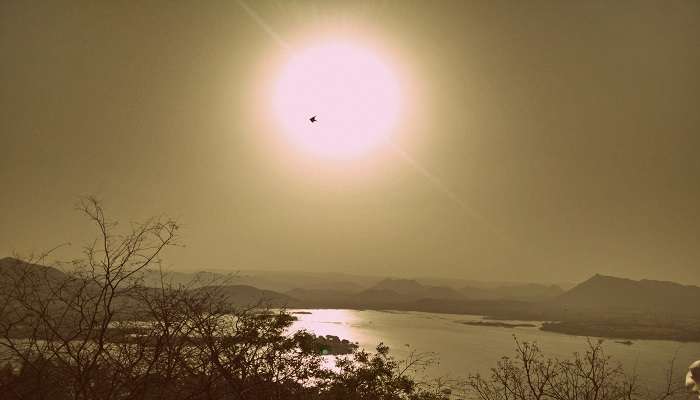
(561,138)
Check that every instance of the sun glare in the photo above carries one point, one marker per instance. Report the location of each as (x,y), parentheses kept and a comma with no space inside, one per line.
(336,100)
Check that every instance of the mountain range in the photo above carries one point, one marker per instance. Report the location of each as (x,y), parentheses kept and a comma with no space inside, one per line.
(596,297)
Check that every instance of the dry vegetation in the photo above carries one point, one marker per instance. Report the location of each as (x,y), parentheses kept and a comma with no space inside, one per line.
(530,375)
(96,332)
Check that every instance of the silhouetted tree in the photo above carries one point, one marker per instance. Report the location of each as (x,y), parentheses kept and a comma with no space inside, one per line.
(530,375)
(379,376)
(95,332)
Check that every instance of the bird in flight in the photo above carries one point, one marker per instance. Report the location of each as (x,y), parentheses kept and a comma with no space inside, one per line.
(313,119)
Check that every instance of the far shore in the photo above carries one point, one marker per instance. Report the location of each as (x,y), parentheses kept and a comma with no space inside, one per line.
(621,328)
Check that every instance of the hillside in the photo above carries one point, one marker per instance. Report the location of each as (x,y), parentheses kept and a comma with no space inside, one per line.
(606,306)
(411,289)
(408,294)
(610,294)
(601,306)
(524,292)
(10,267)
(244,295)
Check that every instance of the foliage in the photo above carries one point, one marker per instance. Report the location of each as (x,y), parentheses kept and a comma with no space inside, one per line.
(94,332)
(530,375)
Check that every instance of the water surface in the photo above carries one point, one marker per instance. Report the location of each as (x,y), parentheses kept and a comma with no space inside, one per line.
(464,349)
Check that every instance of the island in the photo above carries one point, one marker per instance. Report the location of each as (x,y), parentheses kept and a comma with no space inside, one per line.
(329,345)
(626,330)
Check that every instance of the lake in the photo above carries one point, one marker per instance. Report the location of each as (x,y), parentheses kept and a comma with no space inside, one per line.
(464,349)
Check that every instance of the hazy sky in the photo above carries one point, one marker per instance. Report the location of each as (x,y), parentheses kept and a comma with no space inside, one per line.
(570,129)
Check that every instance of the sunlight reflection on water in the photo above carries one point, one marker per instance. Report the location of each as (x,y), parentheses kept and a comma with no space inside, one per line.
(464,349)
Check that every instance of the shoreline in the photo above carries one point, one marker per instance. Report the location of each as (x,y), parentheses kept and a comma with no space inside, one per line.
(620,329)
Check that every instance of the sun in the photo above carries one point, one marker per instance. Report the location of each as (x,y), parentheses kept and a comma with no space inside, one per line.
(336,100)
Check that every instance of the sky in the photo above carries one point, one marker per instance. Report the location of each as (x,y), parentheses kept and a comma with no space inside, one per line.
(540,141)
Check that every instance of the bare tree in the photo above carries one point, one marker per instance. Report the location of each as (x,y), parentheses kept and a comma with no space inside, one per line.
(95,331)
(589,376)
(49,318)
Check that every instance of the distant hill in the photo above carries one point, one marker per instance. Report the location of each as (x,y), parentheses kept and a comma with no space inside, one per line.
(152,278)
(411,289)
(402,293)
(606,293)
(387,293)
(244,295)
(403,286)
(594,298)
(278,281)
(601,306)
(525,292)
(322,298)
(13,267)
(283,281)
(334,287)
(383,298)
(339,286)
